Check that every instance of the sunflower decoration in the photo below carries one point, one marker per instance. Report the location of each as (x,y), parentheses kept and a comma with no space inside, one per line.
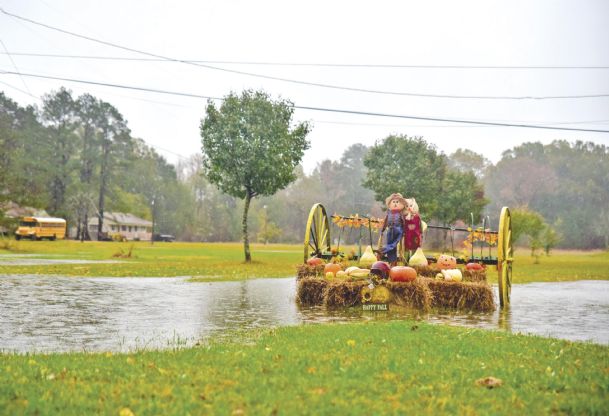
(366,294)
(381,294)
(375,294)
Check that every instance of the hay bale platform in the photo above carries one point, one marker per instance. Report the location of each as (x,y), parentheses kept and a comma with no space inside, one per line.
(423,293)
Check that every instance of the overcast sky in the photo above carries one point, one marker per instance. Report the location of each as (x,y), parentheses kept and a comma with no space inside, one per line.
(403,33)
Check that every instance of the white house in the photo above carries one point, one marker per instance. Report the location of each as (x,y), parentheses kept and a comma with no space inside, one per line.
(128,226)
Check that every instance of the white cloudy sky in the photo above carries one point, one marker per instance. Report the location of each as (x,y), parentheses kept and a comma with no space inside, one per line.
(550,33)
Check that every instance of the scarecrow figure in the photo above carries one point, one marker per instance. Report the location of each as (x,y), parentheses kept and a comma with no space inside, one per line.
(412,226)
(394,224)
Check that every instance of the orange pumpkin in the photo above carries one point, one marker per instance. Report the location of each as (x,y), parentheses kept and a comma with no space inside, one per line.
(332,268)
(474,266)
(446,262)
(314,261)
(402,274)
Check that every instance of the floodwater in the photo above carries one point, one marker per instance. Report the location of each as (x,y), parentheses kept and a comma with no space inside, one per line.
(31,260)
(49,313)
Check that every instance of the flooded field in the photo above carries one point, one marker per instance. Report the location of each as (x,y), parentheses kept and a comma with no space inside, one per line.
(44,313)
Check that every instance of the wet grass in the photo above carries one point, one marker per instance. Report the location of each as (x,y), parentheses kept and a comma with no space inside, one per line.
(561,265)
(374,368)
(201,261)
(224,261)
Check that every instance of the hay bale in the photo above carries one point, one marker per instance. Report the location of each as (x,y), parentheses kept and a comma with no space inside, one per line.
(414,294)
(474,275)
(310,291)
(426,271)
(304,270)
(473,296)
(343,293)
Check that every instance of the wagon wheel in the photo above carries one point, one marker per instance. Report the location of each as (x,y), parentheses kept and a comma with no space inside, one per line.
(505,256)
(317,234)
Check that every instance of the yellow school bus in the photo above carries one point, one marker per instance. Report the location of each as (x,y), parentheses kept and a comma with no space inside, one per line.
(37,228)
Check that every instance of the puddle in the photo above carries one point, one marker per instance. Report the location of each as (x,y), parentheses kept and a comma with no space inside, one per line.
(31,260)
(47,313)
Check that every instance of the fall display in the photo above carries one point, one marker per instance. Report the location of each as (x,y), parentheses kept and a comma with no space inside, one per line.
(455,280)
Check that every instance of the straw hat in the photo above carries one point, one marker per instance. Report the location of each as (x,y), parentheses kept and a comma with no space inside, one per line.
(395,196)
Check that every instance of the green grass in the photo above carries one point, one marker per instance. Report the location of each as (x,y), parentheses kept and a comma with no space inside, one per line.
(374,368)
(561,265)
(202,261)
(224,261)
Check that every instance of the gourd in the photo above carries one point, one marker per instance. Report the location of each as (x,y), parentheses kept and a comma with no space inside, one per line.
(368,258)
(418,258)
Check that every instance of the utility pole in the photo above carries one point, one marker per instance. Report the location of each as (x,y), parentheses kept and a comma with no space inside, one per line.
(152,234)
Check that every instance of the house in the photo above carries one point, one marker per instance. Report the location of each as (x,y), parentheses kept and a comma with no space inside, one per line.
(128,226)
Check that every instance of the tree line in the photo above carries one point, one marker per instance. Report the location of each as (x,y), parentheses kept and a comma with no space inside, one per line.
(76,157)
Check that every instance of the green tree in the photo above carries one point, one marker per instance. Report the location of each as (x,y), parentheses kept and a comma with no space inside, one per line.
(568,183)
(526,222)
(250,147)
(114,134)
(59,114)
(408,165)
(25,165)
(462,195)
(465,160)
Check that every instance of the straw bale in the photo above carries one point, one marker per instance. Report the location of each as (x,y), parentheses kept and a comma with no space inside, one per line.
(474,296)
(474,275)
(311,291)
(413,294)
(304,270)
(426,271)
(344,293)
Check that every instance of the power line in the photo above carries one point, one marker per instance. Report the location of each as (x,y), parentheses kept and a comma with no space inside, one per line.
(19,89)
(307,83)
(310,64)
(348,123)
(321,109)
(17,69)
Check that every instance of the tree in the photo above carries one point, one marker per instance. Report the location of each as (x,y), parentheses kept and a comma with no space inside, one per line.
(568,183)
(462,195)
(408,165)
(530,223)
(114,133)
(59,114)
(250,147)
(465,160)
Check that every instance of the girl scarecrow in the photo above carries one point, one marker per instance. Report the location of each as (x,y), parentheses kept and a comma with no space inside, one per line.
(394,224)
(412,226)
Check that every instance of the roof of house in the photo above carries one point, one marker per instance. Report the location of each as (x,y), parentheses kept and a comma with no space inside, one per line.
(14,210)
(121,218)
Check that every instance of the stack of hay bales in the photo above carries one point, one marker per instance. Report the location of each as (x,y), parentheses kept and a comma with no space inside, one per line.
(473,296)
(423,293)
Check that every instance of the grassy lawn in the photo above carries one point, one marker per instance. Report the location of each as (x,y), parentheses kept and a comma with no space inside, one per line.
(379,368)
(224,261)
(205,261)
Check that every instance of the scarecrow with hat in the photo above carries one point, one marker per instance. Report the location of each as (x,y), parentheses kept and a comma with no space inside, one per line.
(394,226)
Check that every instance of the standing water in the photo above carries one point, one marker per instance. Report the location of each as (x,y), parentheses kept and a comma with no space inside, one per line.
(49,313)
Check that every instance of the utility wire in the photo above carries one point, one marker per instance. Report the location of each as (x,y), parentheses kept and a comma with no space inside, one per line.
(308,64)
(19,89)
(321,109)
(313,84)
(17,69)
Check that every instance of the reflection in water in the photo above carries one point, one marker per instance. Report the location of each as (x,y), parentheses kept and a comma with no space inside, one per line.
(41,313)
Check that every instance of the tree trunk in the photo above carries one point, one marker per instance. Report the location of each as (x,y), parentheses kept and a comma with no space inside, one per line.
(246,243)
(103,177)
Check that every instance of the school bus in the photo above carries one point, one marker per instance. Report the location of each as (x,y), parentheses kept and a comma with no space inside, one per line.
(37,228)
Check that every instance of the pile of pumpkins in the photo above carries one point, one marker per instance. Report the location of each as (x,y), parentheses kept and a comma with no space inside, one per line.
(368,264)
